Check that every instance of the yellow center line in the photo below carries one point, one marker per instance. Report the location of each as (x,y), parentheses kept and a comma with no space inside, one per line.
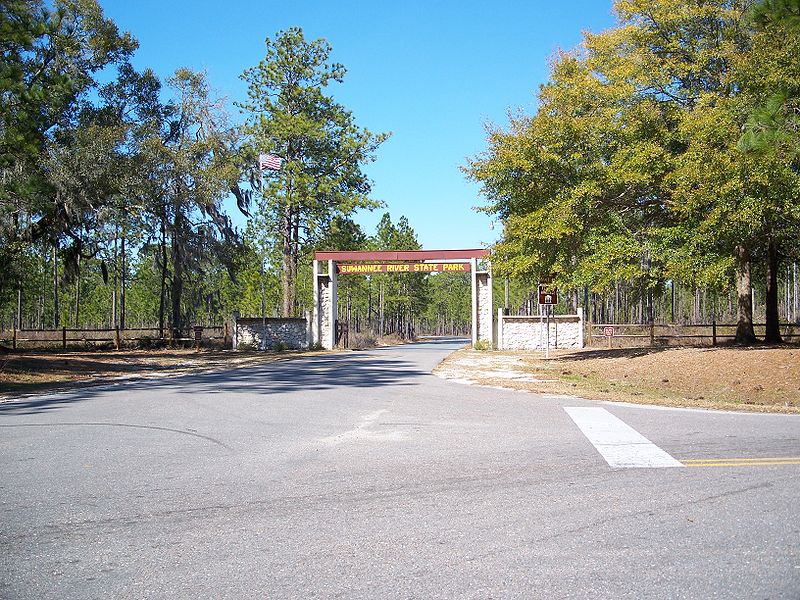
(741,462)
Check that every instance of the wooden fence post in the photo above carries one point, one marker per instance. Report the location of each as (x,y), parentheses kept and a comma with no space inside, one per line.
(652,334)
(64,338)
(714,332)
(14,339)
(117,339)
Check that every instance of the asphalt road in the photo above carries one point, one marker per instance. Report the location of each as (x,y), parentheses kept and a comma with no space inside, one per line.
(361,475)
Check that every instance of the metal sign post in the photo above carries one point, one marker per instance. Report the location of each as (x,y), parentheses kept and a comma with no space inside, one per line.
(548,297)
(609,333)
(547,338)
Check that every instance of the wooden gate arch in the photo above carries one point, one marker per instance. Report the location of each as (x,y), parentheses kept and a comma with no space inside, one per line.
(323,320)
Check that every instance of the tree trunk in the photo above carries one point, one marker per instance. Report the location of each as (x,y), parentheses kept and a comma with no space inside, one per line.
(744,289)
(795,294)
(773,334)
(178,259)
(78,292)
(114,295)
(295,259)
(162,303)
(286,271)
(381,330)
(56,307)
(369,303)
(19,305)
(123,278)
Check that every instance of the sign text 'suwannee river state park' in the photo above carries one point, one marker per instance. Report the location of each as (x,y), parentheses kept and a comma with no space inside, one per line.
(362,269)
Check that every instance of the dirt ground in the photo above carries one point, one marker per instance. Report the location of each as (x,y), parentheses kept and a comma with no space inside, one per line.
(764,379)
(27,372)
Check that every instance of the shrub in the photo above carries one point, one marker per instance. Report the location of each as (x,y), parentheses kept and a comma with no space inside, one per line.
(363,339)
(483,345)
(391,339)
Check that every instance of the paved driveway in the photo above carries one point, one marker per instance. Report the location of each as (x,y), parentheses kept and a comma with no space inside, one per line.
(360,475)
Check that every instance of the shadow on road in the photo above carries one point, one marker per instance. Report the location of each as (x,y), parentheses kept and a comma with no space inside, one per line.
(355,370)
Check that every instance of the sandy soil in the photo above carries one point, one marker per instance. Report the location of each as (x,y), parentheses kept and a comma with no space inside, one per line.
(752,379)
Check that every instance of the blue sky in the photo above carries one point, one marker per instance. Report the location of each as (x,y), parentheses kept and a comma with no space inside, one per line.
(433,73)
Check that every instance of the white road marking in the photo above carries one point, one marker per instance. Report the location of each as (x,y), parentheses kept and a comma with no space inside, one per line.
(361,432)
(622,446)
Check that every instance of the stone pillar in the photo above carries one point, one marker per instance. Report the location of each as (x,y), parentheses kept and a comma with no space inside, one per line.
(485,315)
(473,276)
(316,311)
(323,329)
(482,313)
(324,296)
(333,293)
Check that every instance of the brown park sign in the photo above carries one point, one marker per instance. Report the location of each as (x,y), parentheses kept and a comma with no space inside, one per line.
(548,295)
(362,269)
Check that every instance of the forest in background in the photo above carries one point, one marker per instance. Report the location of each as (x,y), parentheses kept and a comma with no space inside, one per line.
(658,181)
(660,176)
(116,187)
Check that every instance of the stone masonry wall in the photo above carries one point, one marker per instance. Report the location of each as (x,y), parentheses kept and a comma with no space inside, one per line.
(250,332)
(530,333)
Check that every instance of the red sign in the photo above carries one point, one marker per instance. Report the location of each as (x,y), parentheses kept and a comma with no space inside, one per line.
(608,331)
(547,295)
(361,269)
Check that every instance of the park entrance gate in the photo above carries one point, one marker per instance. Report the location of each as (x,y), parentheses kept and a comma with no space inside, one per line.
(323,321)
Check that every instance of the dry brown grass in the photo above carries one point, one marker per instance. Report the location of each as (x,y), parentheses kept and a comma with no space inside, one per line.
(759,378)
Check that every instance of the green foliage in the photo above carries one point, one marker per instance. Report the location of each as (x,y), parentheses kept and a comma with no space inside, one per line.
(483,345)
(111,195)
(323,150)
(194,156)
(50,55)
(629,171)
(772,81)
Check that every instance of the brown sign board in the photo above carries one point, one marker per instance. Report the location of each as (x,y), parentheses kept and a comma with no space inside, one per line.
(366,269)
(548,295)
(608,331)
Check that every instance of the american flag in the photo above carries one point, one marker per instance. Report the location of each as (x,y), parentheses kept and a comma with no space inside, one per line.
(269,161)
